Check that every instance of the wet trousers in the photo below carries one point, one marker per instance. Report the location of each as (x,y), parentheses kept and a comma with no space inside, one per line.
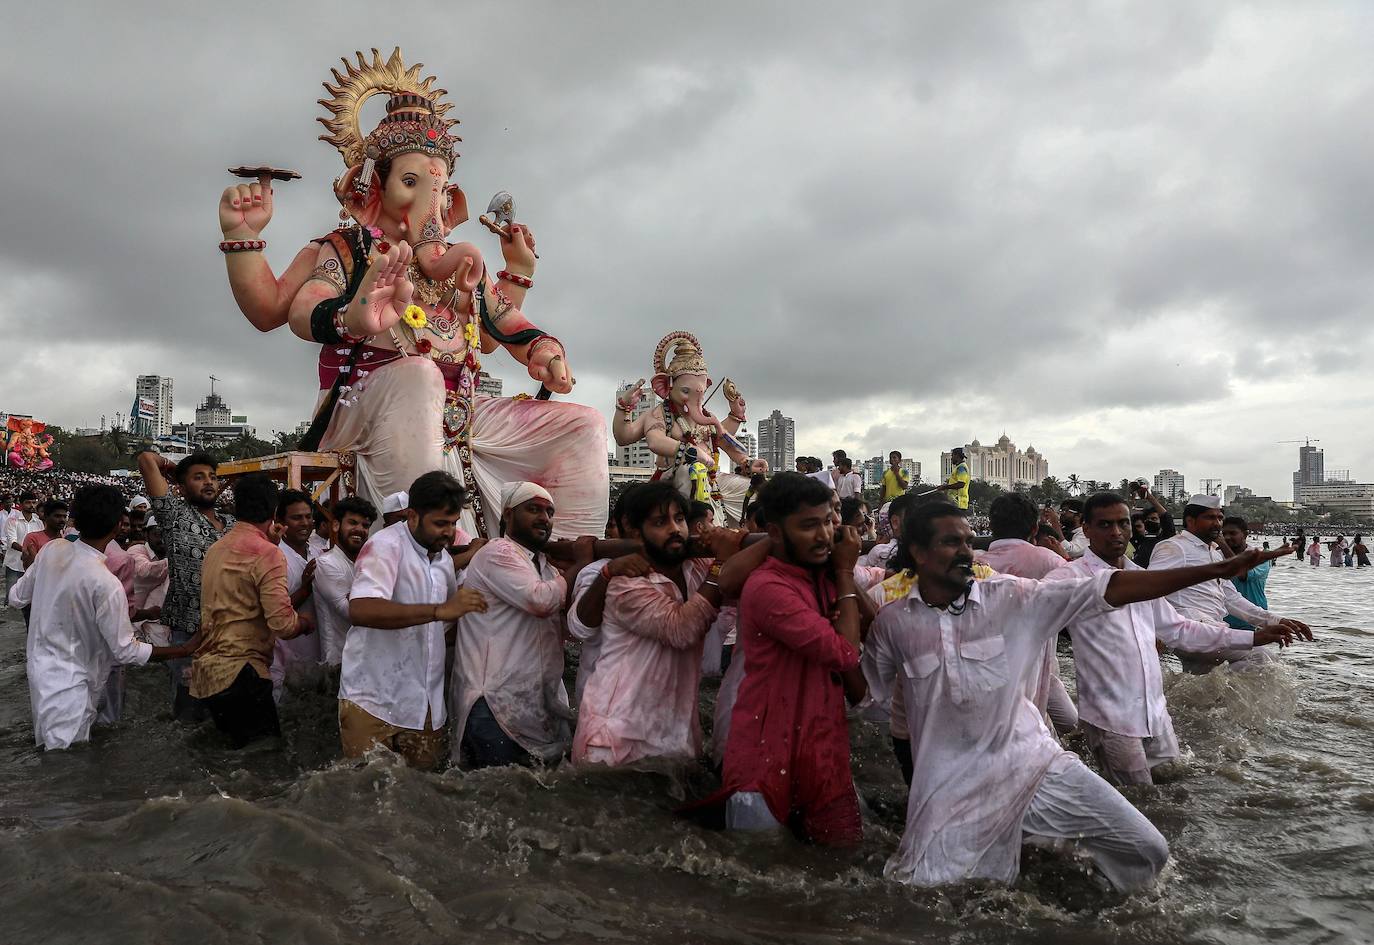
(360,730)
(1075,811)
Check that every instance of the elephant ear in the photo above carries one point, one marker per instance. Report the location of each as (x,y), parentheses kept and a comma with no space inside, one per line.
(662,385)
(456,213)
(367,211)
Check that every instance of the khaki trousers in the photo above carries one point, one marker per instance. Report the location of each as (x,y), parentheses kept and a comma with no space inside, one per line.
(359,730)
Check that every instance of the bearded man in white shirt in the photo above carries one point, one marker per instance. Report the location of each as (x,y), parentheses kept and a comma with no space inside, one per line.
(988,774)
(509,702)
(405,596)
(80,624)
(352,520)
(1210,602)
(1120,690)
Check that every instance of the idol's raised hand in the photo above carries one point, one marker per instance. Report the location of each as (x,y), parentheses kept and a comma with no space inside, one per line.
(517,249)
(246,209)
(384,293)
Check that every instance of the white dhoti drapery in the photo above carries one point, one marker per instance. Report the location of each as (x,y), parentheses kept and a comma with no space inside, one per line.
(392,420)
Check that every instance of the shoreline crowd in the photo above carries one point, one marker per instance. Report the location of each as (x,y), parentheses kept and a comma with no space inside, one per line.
(451,647)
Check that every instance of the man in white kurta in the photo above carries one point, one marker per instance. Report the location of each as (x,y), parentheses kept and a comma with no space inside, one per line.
(397,675)
(1211,601)
(509,702)
(79,626)
(295,516)
(1120,688)
(405,596)
(987,771)
(353,518)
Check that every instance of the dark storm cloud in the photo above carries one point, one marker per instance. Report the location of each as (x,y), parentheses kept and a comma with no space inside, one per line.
(903,225)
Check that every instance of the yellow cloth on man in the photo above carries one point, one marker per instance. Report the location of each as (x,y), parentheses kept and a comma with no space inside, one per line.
(960,477)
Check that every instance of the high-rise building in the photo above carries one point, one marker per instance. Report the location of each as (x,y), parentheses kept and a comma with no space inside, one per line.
(488,386)
(778,441)
(636,454)
(213,411)
(1311,470)
(1170,485)
(152,413)
(1002,464)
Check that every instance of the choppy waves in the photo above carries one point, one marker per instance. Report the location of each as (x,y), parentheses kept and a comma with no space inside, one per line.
(153,833)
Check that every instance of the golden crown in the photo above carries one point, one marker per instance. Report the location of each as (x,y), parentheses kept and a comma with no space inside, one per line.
(414,119)
(687,357)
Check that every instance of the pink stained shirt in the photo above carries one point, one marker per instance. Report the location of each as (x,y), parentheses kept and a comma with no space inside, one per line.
(122,567)
(512,655)
(150,576)
(641,699)
(789,739)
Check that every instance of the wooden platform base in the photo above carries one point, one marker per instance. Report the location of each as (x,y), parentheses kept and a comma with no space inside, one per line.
(328,477)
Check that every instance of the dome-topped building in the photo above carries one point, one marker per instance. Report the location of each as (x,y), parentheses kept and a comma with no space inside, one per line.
(1002,464)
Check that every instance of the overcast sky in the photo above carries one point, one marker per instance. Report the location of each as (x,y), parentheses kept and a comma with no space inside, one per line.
(1133,235)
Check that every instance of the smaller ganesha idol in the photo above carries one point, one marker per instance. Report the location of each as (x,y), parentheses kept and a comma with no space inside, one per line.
(685,436)
(28,445)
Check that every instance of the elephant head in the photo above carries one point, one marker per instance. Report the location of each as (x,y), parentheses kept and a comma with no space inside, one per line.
(682,379)
(398,178)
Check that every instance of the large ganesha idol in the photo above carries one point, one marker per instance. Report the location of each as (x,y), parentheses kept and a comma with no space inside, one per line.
(685,436)
(403,316)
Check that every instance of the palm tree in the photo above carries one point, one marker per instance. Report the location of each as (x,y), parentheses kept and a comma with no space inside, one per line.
(1074,484)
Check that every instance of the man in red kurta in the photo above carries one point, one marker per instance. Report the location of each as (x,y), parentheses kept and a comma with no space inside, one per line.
(787,758)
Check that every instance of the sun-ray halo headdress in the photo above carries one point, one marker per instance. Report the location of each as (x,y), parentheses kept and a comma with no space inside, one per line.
(414,121)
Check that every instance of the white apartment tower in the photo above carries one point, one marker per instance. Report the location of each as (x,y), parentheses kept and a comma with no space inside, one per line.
(157,390)
(1170,485)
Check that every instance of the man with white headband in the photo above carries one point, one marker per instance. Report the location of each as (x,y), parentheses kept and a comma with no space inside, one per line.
(394,508)
(509,702)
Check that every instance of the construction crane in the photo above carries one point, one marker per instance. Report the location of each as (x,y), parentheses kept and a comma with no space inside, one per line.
(1306,441)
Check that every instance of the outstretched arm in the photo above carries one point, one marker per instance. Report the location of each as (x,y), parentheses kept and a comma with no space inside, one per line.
(1127,587)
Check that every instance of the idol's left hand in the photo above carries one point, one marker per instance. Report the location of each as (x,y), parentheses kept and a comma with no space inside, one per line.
(518,250)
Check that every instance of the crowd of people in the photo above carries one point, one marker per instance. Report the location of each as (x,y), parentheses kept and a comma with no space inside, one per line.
(449,648)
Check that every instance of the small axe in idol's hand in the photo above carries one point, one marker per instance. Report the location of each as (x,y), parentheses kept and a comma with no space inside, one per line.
(500,215)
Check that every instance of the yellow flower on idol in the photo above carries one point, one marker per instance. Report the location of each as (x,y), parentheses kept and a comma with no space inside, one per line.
(472,336)
(415,317)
